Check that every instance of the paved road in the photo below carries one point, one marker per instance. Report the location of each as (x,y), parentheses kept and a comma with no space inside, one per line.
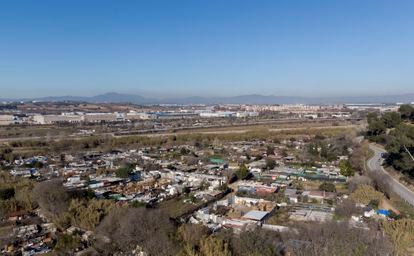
(375,164)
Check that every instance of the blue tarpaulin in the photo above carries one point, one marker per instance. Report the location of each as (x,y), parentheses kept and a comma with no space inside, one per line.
(383,212)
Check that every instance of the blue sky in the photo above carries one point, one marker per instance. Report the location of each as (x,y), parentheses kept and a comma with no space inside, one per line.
(206,47)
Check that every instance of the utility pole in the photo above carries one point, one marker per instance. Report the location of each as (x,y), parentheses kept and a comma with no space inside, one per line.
(406,149)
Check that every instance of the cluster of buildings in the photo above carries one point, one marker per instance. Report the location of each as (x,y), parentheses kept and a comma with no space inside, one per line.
(161,112)
(31,234)
(255,202)
(292,108)
(218,114)
(78,118)
(200,176)
(82,117)
(374,107)
(221,111)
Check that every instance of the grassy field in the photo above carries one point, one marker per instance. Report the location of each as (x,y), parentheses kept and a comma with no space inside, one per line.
(5,231)
(176,207)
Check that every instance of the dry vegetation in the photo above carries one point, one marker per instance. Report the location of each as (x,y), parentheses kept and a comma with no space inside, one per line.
(334,238)
(401,233)
(364,194)
(14,149)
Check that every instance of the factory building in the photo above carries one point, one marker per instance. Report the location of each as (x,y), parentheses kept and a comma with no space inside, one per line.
(7,119)
(132,115)
(52,119)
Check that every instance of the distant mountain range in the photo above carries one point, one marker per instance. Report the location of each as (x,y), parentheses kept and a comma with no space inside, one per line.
(114,97)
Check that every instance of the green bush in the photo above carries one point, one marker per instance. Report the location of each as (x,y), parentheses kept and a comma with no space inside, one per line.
(374,204)
(346,168)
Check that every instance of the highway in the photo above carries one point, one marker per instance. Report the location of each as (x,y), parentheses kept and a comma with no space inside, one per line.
(375,164)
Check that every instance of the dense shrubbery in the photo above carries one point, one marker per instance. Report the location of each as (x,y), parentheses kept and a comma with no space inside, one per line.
(125,228)
(74,208)
(346,168)
(364,194)
(104,143)
(401,233)
(15,194)
(335,238)
(198,240)
(328,149)
(52,198)
(86,214)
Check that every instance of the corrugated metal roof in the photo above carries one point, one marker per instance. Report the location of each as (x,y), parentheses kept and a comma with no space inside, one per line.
(255,215)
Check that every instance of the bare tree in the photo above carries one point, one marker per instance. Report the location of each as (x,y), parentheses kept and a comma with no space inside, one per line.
(335,238)
(347,208)
(358,180)
(257,242)
(51,197)
(358,156)
(381,182)
(192,234)
(124,229)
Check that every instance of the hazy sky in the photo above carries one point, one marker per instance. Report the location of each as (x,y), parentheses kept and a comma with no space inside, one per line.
(206,47)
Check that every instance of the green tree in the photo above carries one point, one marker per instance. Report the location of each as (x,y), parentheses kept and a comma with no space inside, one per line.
(407,112)
(242,173)
(376,127)
(124,171)
(270,163)
(297,184)
(6,193)
(328,187)
(346,168)
(184,151)
(372,116)
(399,142)
(391,119)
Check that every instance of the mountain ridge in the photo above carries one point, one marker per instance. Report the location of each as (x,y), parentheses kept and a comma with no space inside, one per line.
(114,97)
